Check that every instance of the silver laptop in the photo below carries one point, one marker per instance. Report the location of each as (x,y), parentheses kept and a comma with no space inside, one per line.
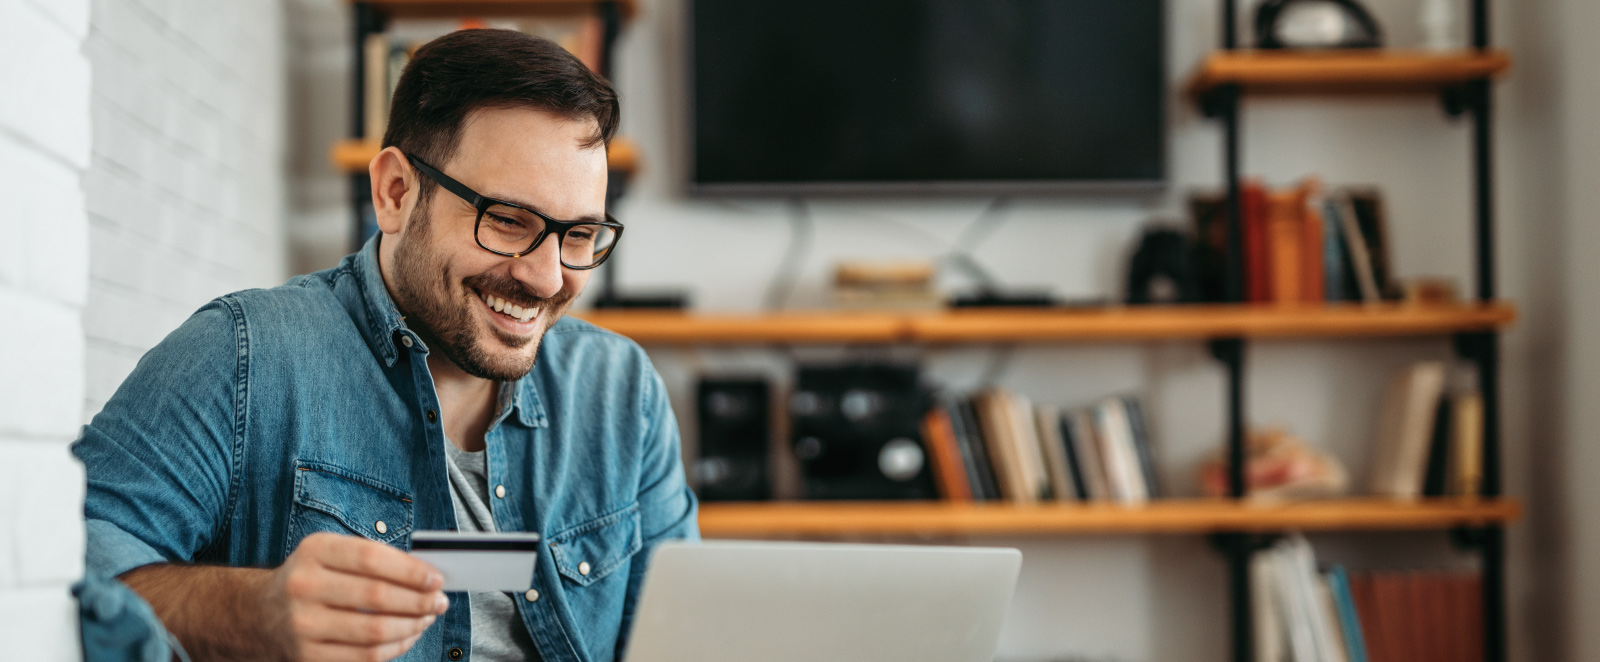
(810,602)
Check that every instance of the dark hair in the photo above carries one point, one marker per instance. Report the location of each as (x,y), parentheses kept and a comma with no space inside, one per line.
(467,70)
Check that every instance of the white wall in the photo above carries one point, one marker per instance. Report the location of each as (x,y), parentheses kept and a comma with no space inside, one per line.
(1162,598)
(185,184)
(44,150)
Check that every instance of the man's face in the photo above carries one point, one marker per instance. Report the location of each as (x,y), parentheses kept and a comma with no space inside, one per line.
(448,287)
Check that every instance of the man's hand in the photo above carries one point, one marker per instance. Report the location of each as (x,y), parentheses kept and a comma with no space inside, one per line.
(349,598)
(336,598)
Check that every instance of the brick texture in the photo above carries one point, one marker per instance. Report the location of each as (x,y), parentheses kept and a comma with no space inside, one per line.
(44,268)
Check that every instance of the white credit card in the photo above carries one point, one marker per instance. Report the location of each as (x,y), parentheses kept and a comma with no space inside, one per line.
(479,561)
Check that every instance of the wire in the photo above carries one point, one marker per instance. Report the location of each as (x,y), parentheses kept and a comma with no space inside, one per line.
(999,361)
(784,279)
(967,241)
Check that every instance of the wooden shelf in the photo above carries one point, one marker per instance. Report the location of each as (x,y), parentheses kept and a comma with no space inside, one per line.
(351,155)
(1050,325)
(492,8)
(1175,516)
(1381,71)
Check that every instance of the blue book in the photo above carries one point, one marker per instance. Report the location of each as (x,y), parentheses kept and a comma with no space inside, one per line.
(1355,646)
(1332,252)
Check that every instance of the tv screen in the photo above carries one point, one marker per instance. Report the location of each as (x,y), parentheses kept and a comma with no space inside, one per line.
(908,95)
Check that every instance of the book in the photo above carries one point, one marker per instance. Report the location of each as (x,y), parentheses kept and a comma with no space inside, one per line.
(949,472)
(1267,624)
(1330,636)
(964,416)
(1367,205)
(1404,428)
(1047,422)
(1141,445)
(1360,257)
(1349,623)
(1117,452)
(1087,444)
(375,86)
(1335,258)
(1294,603)
(1210,214)
(995,421)
(1436,477)
(1257,249)
(1069,446)
(1466,444)
(1284,225)
(1036,477)
(1312,253)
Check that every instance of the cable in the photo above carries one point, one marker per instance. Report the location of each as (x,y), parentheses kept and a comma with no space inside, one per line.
(784,279)
(998,363)
(960,255)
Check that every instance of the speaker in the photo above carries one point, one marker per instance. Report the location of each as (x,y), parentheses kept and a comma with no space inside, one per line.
(855,432)
(735,429)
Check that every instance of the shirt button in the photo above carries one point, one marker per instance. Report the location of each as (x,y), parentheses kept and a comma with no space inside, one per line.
(405,340)
(583,568)
(455,653)
(381,527)
(432,416)
(500,491)
(531,595)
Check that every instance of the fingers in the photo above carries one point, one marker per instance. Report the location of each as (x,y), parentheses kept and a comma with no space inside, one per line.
(359,556)
(337,589)
(341,626)
(335,652)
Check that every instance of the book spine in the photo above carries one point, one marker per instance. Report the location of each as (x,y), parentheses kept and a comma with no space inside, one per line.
(980,450)
(1313,271)
(1087,434)
(1046,423)
(1257,265)
(969,464)
(1283,226)
(1116,449)
(1069,445)
(1140,431)
(1333,253)
(948,473)
(1355,645)
(1360,258)
(1466,432)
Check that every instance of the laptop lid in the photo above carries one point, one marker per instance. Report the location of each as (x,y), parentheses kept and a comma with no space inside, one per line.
(725,601)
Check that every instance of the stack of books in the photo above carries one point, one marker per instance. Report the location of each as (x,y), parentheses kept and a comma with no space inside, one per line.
(1430,440)
(999,446)
(1306,615)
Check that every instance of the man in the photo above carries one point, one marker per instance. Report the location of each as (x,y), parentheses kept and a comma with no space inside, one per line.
(259,473)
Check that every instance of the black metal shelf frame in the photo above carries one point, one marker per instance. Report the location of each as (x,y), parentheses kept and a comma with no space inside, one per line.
(1481,348)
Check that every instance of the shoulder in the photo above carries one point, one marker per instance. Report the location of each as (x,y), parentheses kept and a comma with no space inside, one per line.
(582,357)
(571,338)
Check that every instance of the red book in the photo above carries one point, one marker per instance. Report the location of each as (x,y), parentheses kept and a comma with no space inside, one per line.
(1312,270)
(1257,248)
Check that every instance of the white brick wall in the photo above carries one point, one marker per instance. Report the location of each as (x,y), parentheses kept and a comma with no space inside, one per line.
(44,266)
(185,183)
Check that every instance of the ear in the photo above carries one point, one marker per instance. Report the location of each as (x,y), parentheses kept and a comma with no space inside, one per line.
(394,189)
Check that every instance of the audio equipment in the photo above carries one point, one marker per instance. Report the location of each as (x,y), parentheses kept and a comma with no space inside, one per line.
(855,432)
(735,430)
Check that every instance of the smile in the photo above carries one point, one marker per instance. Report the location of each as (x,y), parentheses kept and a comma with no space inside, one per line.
(510,310)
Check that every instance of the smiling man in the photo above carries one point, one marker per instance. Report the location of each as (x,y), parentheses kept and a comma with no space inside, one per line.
(258,476)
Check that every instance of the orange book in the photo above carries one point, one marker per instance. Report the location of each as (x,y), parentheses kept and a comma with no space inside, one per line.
(1257,251)
(949,474)
(1285,211)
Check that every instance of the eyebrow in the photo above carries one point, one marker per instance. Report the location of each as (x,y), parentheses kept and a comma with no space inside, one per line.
(591,218)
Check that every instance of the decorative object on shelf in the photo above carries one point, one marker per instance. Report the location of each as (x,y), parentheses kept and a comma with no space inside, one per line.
(1279,466)
(1441,25)
(1164,269)
(885,285)
(856,431)
(1315,24)
(734,418)
(1430,291)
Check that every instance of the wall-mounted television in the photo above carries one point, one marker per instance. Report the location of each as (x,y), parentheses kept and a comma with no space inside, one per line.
(920,96)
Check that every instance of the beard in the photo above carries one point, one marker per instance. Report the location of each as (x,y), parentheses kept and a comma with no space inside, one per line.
(439,308)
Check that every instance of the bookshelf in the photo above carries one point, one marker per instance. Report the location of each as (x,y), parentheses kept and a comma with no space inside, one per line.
(825,519)
(1056,325)
(492,8)
(1462,80)
(1371,72)
(351,156)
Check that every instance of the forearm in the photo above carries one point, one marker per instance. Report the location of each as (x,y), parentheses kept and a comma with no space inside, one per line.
(217,613)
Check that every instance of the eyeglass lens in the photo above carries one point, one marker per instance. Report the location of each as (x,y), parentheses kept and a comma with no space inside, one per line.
(510,230)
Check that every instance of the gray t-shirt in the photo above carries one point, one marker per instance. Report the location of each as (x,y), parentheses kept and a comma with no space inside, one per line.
(498,634)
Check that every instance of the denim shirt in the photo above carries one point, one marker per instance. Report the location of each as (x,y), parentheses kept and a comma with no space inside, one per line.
(270,415)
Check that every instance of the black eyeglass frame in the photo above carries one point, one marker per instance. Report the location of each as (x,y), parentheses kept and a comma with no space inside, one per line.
(551,225)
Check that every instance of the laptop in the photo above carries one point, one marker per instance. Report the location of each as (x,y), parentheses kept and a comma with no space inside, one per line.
(724,601)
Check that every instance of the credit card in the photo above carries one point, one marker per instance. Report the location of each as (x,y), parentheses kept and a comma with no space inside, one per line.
(479,561)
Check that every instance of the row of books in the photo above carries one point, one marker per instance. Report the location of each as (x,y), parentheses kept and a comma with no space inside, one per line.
(1302,614)
(1301,244)
(1430,437)
(386,54)
(999,446)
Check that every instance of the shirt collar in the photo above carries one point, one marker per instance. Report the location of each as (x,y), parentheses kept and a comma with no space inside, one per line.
(387,331)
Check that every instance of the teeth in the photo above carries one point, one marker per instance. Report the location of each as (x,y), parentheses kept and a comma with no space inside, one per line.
(510,309)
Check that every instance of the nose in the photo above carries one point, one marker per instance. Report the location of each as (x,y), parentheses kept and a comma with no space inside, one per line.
(541,270)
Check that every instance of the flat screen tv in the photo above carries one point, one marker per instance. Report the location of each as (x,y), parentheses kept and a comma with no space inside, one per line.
(909,96)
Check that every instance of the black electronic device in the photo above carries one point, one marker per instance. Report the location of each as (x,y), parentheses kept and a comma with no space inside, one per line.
(735,431)
(918,96)
(1164,269)
(856,432)
(1315,24)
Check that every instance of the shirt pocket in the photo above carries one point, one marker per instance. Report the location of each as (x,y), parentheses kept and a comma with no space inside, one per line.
(588,552)
(334,500)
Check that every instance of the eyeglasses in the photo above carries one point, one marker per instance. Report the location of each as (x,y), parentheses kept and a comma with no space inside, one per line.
(512,230)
